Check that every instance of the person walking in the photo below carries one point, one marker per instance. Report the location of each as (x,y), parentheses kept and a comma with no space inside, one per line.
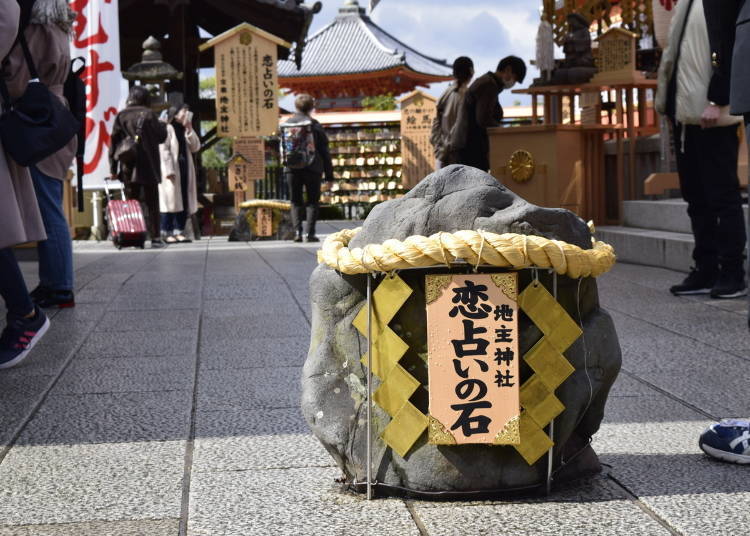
(48,38)
(481,110)
(20,222)
(728,24)
(706,140)
(447,111)
(306,159)
(178,194)
(142,177)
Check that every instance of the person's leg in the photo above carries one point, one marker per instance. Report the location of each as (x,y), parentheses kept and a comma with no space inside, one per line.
(180,220)
(151,197)
(312,187)
(298,203)
(26,323)
(688,153)
(718,160)
(167,223)
(12,285)
(55,253)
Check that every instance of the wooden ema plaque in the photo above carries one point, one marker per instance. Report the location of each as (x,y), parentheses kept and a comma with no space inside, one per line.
(264,222)
(473,355)
(252,149)
(616,60)
(417,113)
(239,181)
(246,81)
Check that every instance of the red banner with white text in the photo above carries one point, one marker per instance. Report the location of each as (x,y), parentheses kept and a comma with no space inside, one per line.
(96,38)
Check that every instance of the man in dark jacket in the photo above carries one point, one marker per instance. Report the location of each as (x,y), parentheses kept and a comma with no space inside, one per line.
(481,110)
(142,178)
(303,169)
(729,33)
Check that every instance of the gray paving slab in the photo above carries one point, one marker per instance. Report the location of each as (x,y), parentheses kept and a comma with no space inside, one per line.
(18,396)
(264,284)
(248,307)
(261,352)
(115,321)
(108,418)
(176,302)
(288,502)
(135,375)
(145,527)
(82,483)
(256,388)
(262,439)
(139,344)
(684,367)
(721,329)
(262,324)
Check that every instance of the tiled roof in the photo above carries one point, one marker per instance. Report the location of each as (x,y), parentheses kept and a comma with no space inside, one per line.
(353,43)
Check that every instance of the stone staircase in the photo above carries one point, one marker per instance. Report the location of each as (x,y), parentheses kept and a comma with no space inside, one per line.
(654,233)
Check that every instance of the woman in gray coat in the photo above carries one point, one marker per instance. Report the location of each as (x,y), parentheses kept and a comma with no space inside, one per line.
(20,222)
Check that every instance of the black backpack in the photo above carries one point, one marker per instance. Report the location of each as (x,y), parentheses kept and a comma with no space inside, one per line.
(74,91)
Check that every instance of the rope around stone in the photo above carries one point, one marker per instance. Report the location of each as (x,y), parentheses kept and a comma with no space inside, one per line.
(509,250)
(262,203)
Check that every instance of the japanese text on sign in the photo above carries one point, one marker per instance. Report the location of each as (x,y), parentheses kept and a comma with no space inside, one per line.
(472,337)
(417,113)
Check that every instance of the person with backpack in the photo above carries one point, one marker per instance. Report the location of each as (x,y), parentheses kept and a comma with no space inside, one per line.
(20,222)
(134,155)
(447,112)
(306,159)
(47,35)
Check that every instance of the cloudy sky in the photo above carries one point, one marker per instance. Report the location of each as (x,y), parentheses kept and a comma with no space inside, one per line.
(484,30)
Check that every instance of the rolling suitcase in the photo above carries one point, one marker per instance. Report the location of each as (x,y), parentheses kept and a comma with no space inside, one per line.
(127,226)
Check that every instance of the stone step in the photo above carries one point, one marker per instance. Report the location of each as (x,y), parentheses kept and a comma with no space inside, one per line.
(663,215)
(666,249)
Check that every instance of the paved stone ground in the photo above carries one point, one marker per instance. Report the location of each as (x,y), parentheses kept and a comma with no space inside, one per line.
(167,402)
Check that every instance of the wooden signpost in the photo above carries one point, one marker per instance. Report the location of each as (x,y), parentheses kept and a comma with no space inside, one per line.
(417,112)
(472,341)
(246,166)
(246,81)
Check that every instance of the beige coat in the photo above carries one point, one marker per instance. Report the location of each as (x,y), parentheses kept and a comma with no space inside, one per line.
(170,192)
(20,220)
(694,71)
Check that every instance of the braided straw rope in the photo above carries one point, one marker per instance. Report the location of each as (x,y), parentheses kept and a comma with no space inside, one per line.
(262,203)
(508,250)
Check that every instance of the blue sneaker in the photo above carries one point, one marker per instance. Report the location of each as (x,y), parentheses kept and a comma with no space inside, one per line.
(728,440)
(19,337)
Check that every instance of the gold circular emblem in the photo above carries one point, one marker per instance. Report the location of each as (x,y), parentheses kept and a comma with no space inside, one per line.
(246,37)
(521,165)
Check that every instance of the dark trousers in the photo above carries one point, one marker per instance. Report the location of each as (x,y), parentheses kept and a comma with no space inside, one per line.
(707,165)
(477,152)
(309,181)
(147,194)
(12,285)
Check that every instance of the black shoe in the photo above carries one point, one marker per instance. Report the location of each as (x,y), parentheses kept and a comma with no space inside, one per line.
(158,244)
(55,298)
(298,237)
(697,282)
(39,293)
(19,337)
(312,238)
(731,284)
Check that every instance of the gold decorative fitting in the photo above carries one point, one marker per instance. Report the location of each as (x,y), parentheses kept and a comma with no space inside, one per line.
(510,434)
(438,435)
(435,286)
(521,165)
(507,283)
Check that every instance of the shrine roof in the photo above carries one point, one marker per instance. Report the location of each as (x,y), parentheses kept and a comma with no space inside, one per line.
(354,44)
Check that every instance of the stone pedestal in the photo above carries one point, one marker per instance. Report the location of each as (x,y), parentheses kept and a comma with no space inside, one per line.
(334,379)
(247,228)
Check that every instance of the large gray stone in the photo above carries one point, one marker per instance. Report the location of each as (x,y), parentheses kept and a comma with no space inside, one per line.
(333,400)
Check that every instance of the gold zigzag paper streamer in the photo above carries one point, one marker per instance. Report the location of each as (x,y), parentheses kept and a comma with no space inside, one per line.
(396,384)
(551,369)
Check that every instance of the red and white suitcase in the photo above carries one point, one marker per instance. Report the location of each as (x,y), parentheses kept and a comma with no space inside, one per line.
(127,226)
